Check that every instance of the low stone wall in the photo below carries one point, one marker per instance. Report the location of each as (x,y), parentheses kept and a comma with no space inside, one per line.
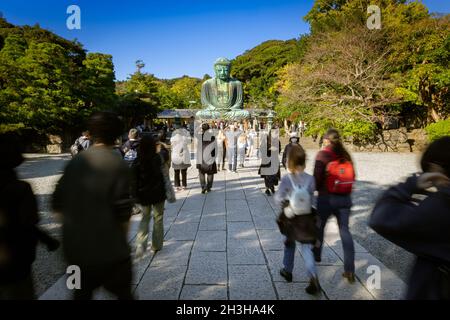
(55,144)
(398,140)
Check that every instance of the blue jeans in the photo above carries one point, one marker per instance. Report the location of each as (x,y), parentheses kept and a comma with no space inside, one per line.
(339,206)
(308,256)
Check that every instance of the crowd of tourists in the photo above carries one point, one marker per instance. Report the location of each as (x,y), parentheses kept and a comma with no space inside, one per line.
(106,182)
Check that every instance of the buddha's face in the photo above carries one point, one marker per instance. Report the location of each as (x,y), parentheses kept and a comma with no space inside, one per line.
(222,72)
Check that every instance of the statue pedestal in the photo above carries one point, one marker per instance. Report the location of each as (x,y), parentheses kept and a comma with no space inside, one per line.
(231,115)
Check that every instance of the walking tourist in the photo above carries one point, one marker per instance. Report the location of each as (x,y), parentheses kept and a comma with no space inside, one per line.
(129,148)
(296,200)
(18,222)
(293,140)
(81,144)
(231,145)
(269,169)
(221,150)
(181,156)
(334,175)
(149,191)
(415,216)
(206,160)
(251,142)
(242,147)
(93,198)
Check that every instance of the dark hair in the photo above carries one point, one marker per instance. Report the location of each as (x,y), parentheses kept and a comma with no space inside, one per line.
(105,127)
(438,153)
(338,148)
(12,149)
(296,157)
(205,127)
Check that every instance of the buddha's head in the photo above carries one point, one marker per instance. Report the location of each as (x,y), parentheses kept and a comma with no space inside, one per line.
(222,68)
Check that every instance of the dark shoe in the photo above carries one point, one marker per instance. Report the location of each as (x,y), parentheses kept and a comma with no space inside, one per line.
(268,192)
(317,255)
(272,189)
(203,191)
(286,275)
(208,190)
(350,276)
(313,287)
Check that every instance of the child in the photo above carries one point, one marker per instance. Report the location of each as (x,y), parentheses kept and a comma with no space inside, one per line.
(296,166)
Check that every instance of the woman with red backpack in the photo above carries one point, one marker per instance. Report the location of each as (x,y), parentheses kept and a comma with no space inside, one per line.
(334,174)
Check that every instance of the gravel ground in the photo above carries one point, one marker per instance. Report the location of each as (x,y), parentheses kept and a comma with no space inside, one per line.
(375,172)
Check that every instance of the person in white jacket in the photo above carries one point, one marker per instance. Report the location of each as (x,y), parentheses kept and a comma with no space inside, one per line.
(181,156)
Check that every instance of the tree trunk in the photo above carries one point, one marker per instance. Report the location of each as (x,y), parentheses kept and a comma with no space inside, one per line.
(433,114)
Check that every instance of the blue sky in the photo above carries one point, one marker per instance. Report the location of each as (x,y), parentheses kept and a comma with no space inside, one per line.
(173,37)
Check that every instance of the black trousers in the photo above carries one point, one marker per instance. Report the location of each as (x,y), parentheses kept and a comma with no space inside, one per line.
(183,177)
(116,278)
(203,183)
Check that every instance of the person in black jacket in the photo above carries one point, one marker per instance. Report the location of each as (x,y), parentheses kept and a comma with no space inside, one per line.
(94,201)
(269,169)
(19,233)
(207,155)
(149,192)
(293,140)
(415,215)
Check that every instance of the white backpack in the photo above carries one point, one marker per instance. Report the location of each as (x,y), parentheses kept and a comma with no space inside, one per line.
(299,201)
(131,155)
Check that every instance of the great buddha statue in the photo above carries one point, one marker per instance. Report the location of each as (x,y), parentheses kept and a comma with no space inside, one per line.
(222,96)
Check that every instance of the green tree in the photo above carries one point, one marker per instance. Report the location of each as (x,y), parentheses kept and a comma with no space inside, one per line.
(258,67)
(99,86)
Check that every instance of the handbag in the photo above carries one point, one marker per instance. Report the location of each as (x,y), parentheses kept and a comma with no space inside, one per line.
(170,192)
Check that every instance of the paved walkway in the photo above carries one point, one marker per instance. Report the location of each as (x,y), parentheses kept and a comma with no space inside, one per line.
(226,245)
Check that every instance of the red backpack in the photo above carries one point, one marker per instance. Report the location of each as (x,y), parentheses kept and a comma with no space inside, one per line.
(340,176)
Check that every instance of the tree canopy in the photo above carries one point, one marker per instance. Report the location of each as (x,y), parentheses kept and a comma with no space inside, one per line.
(353,78)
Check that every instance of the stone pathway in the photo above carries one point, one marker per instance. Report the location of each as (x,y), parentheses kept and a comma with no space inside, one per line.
(226,245)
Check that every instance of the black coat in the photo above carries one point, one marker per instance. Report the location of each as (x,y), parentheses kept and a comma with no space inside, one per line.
(423,228)
(18,236)
(148,181)
(208,167)
(277,176)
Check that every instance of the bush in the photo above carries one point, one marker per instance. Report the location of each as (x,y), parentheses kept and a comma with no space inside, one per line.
(438,129)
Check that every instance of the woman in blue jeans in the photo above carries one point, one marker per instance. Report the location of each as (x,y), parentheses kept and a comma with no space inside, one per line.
(296,176)
(329,204)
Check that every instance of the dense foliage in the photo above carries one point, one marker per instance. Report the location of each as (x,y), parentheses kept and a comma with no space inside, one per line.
(341,74)
(356,79)
(438,129)
(49,84)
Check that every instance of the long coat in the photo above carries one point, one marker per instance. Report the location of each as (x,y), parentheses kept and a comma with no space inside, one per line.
(207,167)
(148,181)
(181,156)
(273,178)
